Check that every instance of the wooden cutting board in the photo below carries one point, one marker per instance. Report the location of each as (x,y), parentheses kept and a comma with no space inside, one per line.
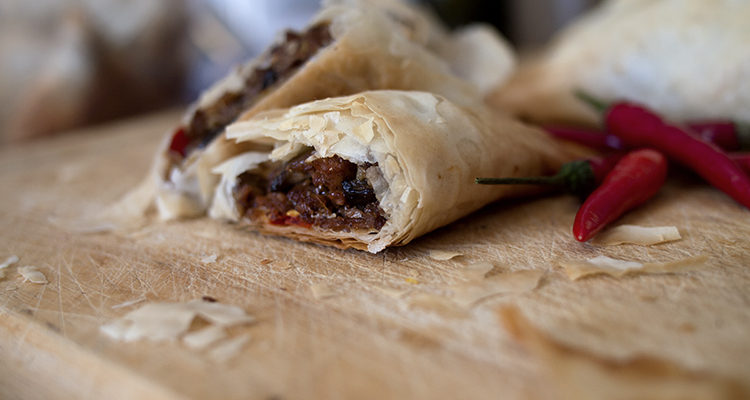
(358,341)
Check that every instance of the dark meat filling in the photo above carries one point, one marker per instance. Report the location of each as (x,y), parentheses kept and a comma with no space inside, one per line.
(328,193)
(282,61)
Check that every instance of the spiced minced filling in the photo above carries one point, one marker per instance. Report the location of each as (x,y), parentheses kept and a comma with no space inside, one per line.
(281,61)
(329,193)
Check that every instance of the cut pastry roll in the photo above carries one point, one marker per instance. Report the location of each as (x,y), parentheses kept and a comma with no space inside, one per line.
(349,47)
(374,169)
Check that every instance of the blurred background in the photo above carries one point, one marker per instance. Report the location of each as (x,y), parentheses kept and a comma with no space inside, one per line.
(66,64)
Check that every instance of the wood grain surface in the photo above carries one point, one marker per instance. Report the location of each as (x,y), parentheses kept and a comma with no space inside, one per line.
(358,342)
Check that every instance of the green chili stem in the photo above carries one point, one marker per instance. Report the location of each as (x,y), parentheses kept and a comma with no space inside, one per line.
(595,103)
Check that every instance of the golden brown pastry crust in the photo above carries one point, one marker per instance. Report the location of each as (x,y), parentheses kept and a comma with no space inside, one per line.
(428,151)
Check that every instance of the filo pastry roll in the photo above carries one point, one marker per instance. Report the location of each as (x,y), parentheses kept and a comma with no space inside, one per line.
(375,169)
(349,47)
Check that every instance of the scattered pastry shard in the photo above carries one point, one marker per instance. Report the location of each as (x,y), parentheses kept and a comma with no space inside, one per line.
(443,255)
(220,314)
(349,47)
(229,348)
(205,337)
(577,374)
(618,268)
(7,263)
(634,234)
(154,321)
(392,164)
(168,321)
(33,275)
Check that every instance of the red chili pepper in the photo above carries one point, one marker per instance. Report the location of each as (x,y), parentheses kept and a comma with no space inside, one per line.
(594,139)
(634,179)
(179,142)
(730,136)
(742,160)
(639,127)
(580,177)
(287,220)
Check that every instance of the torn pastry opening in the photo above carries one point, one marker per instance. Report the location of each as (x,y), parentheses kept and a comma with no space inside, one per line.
(328,193)
(246,87)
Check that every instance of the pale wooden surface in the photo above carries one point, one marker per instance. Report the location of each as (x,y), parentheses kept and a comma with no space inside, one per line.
(360,343)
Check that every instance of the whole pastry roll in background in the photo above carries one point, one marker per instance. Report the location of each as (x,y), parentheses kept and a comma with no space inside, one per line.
(686,59)
(374,169)
(349,47)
